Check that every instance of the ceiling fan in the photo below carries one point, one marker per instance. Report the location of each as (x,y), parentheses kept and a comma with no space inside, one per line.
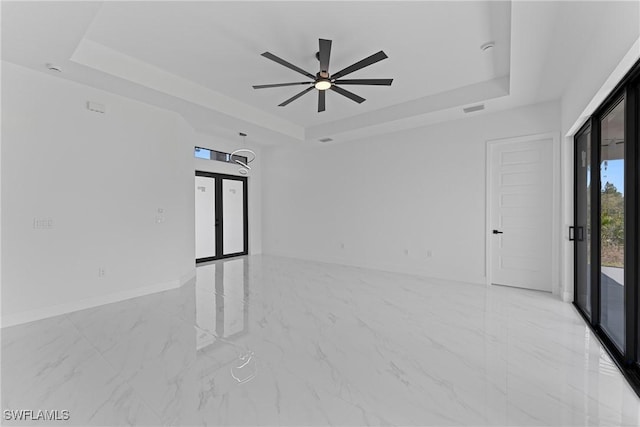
(324,81)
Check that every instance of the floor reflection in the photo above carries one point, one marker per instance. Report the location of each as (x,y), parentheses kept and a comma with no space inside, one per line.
(265,340)
(222,302)
(222,314)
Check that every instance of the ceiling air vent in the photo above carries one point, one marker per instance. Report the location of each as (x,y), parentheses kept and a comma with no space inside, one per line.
(474,108)
(325,140)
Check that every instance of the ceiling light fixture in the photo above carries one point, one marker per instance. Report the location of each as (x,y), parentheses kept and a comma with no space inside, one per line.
(243,156)
(323,84)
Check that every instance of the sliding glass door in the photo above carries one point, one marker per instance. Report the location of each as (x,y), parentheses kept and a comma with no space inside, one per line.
(606,225)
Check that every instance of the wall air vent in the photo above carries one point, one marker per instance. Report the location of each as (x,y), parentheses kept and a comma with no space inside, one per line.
(325,140)
(473,108)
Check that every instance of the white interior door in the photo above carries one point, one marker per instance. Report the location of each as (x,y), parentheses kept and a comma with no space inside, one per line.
(205,217)
(521,196)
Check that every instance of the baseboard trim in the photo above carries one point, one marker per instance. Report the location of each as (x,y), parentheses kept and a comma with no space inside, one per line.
(70,307)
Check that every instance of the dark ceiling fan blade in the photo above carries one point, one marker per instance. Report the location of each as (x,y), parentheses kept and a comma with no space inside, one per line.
(281,84)
(378,82)
(281,61)
(321,98)
(293,98)
(324,53)
(348,94)
(360,64)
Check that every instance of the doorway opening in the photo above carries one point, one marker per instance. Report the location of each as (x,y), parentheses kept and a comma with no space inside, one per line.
(521,210)
(221,216)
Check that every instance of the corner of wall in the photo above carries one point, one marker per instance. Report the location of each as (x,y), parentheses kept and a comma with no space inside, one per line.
(114,186)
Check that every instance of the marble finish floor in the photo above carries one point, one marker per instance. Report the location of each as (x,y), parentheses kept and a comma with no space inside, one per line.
(265,340)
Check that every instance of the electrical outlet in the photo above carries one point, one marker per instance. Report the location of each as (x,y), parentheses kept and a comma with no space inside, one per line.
(429,253)
(102,272)
(406,252)
(341,245)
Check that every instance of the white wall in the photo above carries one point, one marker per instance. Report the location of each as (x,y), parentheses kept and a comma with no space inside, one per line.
(618,30)
(418,190)
(101,179)
(611,54)
(254,179)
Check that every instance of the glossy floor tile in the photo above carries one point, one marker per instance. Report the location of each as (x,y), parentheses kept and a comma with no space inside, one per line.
(265,340)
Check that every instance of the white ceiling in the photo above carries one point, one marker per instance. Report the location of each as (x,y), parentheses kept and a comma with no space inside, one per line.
(201,58)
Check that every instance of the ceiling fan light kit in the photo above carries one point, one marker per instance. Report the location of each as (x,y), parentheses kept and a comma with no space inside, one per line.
(323,84)
(324,81)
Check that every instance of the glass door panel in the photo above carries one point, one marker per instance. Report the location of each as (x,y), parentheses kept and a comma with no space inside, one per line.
(582,231)
(233,216)
(205,217)
(612,224)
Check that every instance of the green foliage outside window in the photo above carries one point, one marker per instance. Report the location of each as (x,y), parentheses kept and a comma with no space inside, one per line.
(612,226)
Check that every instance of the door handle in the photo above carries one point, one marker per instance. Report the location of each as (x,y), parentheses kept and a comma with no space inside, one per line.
(576,234)
(497,232)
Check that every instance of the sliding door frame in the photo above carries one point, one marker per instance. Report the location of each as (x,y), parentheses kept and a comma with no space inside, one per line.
(635,177)
(219,223)
(632,309)
(586,128)
(628,360)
